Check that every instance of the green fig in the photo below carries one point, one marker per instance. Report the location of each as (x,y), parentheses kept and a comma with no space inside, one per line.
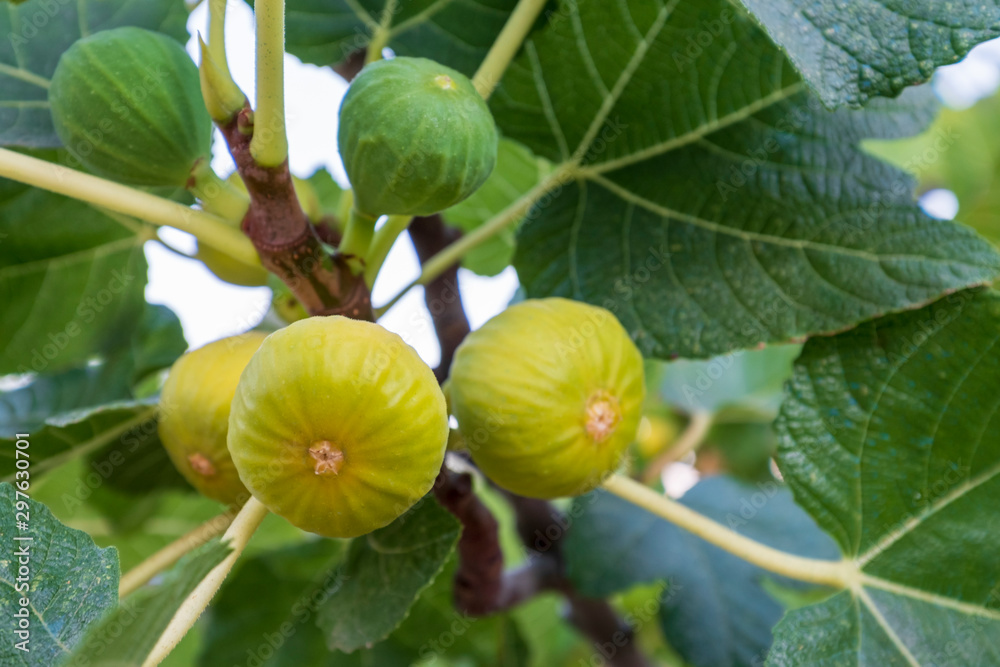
(415,136)
(127,104)
(337,426)
(548,396)
(194,414)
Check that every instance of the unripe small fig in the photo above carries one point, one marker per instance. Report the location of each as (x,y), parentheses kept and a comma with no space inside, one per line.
(127,104)
(231,270)
(415,136)
(548,396)
(338,426)
(194,414)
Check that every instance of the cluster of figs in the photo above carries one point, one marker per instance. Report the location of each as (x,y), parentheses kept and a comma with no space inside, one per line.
(336,424)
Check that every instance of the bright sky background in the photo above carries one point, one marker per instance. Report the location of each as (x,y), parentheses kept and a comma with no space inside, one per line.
(210,309)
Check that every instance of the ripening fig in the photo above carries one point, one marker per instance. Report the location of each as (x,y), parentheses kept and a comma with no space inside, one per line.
(548,396)
(127,104)
(338,426)
(194,414)
(415,136)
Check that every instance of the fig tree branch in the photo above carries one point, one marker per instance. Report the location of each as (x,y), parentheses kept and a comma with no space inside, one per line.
(286,241)
(208,229)
(239,533)
(838,574)
(170,554)
(483,587)
(506,46)
(593,617)
(269,145)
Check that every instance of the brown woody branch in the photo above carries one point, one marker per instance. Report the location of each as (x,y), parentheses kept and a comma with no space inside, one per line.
(482,587)
(286,241)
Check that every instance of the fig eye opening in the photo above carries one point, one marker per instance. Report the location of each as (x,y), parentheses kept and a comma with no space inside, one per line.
(329,458)
(602,416)
(444,82)
(201,465)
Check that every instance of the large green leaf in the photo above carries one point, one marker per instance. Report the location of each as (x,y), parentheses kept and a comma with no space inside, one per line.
(71,280)
(714,609)
(127,634)
(718,205)
(852,51)
(157,343)
(129,426)
(70,583)
(457,33)
(38,31)
(888,438)
(384,573)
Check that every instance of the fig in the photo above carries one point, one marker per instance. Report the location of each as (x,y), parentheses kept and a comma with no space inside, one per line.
(127,104)
(338,426)
(194,414)
(548,396)
(231,270)
(415,136)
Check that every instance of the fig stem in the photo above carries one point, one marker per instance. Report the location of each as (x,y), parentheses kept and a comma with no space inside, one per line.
(837,574)
(237,536)
(381,34)
(506,46)
(269,145)
(357,239)
(216,195)
(207,228)
(170,554)
(382,242)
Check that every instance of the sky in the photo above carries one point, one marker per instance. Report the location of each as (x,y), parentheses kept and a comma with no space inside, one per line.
(210,309)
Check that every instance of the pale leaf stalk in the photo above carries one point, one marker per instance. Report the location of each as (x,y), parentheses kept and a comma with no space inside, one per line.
(837,574)
(216,195)
(381,34)
(382,242)
(237,536)
(506,45)
(207,228)
(269,145)
(139,575)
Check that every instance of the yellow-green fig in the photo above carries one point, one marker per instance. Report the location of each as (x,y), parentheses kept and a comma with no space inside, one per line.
(415,136)
(548,396)
(194,414)
(338,426)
